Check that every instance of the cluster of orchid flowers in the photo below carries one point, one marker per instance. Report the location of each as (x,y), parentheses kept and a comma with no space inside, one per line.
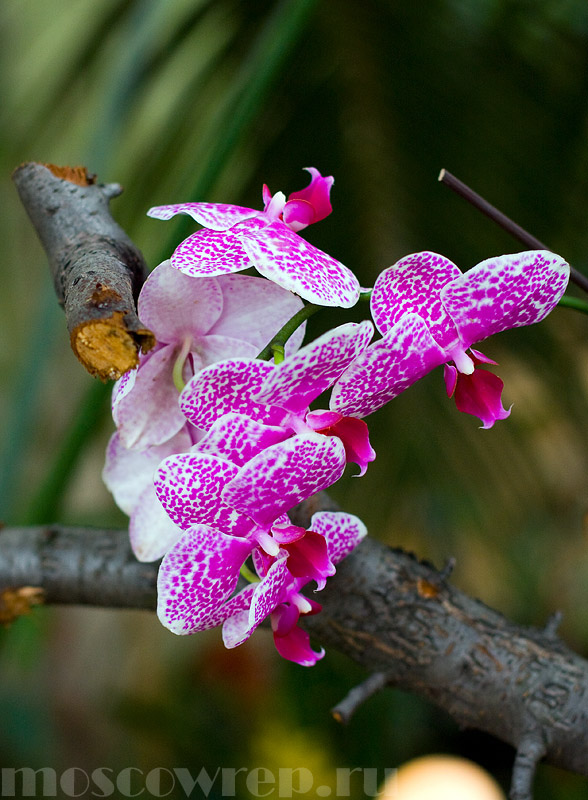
(215,446)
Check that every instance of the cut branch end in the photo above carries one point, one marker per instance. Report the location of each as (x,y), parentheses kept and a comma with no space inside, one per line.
(107,349)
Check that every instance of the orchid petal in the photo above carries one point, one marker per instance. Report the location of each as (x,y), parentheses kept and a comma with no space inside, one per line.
(450,376)
(386,368)
(284,617)
(287,533)
(149,413)
(299,379)
(152,533)
(480,394)
(283,475)
(298,214)
(291,262)
(175,306)
(308,559)
(226,387)
(480,358)
(316,193)
(295,646)
(206,254)
(189,488)
(269,592)
(127,471)
(254,310)
(413,286)
(238,438)
(266,196)
(355,436)
(197,576)
(124,385)
(342,532)
(217,216)
(213,347)
(505,292)
(319,420)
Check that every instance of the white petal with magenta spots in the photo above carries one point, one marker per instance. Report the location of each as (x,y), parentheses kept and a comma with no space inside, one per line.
(505,292)
(386,368)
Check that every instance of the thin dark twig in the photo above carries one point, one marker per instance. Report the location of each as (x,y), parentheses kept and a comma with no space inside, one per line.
(507,224)
(345,709)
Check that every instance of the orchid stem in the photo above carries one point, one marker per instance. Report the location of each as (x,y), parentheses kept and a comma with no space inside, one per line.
(249,576)
(278,353)
(575,303)
(507,224)
(276,346)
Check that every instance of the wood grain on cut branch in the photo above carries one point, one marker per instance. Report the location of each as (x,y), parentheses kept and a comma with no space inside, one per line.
(392,614)
(96,268)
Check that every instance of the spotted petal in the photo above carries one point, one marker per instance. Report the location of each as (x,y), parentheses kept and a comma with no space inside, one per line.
(206,254)
(290,261)
(299,379)
(269,592)
(189,487)
(342,531)
(226,387)
(217,216)
(238,438)
(505,292)
(413,286)
(197,576)
(386,368)
(283,475)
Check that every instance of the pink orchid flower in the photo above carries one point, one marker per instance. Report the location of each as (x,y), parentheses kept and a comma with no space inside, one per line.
(253,402)
(429,314)
(236,238)
(195,322)
(229,514)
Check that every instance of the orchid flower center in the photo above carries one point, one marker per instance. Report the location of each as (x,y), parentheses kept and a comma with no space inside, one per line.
(275,206)
(462,361)
(301,603)
(267,542)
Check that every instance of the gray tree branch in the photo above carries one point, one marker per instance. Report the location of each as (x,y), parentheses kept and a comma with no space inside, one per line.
(96,268)
(396,616)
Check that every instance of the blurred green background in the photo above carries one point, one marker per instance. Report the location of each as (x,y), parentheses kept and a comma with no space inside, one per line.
(207,99)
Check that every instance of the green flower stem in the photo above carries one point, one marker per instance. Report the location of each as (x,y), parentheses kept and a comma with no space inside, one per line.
(575,303)
(249,576)
(366,296)
(276,346)
(178,370)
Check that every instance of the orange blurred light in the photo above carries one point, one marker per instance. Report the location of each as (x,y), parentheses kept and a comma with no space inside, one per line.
(441,778)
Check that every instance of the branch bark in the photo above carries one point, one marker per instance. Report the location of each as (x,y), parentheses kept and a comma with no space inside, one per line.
(96,268)
(386,610)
